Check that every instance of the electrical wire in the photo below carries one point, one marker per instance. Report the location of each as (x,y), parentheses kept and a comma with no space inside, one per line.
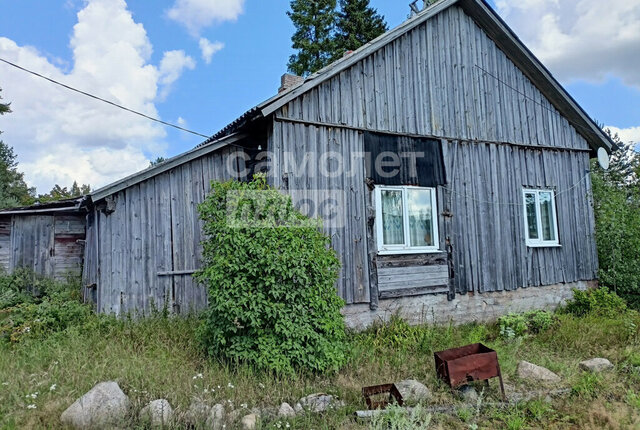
(511,87)
(499,203)
(103,100)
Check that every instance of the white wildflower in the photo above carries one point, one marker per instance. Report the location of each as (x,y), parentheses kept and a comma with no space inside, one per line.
(261,385)
(244,406)
(31,406)
(230,385)
(53,387)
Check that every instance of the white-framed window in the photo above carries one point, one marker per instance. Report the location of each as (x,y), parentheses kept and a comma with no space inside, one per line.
(540,218)
(406,220)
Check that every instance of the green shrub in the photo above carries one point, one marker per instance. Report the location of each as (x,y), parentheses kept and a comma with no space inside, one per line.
(513,326)
(33,307)
(271,277)
(616,197)
(599,301)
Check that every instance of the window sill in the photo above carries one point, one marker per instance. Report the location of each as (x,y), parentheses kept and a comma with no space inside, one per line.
(544,245)
(409,251)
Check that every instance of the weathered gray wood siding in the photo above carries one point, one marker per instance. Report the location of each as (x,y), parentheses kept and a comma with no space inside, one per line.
(487,230)
(448,79)
(140,236)
(50,245)
(323,181)
(429,82)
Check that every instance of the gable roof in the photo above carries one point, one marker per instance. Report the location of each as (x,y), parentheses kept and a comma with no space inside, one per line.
(484,16)
(487,19)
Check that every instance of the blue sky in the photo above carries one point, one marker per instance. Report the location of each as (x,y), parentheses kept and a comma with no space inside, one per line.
(148,56)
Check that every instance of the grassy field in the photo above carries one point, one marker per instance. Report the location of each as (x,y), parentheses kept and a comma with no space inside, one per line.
(159,358)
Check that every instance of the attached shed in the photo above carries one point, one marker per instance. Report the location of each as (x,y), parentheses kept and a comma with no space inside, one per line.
(450,168)
(47,239)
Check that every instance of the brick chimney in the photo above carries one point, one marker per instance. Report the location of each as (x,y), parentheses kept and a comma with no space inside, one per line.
(289,81)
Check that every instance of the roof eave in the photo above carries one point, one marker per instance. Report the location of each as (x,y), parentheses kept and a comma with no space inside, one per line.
(171,163)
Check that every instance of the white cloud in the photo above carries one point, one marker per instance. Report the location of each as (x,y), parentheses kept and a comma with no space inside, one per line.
(198,14)
(171,67)
(627,135)
(580,39)
(61,136)
(208,49)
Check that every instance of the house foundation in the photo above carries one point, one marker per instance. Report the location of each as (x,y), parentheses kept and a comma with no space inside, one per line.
(486,307)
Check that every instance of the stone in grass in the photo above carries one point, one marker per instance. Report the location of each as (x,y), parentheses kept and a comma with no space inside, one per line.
(249,422)
(198,412)
(286,411)
(104,406)
(596,365)
(318,403)
(413,391)
(158,412)
(215,417)
(531,372)
(468,394)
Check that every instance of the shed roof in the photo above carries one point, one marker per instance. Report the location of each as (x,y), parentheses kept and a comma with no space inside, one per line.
(497,30)
(67,205)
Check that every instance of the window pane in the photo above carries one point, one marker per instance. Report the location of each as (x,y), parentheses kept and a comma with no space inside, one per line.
(420,217)
(546,212)
(392,228)
(532,221)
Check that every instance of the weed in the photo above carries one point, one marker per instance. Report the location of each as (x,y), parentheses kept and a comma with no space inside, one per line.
(399,418)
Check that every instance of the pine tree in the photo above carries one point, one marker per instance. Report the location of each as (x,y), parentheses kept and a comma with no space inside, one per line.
(14,191)
(314,37)
(358,23)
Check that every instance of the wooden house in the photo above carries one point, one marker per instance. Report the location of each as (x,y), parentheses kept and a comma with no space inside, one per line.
(454,170)
(47,239)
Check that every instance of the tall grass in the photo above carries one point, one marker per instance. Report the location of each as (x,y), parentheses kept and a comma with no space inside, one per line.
(159,358)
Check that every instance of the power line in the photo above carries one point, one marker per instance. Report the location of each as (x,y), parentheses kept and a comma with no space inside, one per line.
(103,100)
(511,87)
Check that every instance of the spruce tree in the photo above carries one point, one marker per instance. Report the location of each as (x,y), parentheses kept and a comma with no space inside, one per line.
(314,37)
(358,23)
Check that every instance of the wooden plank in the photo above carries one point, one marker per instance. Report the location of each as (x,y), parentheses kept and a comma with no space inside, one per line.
(392,294)
(388,274)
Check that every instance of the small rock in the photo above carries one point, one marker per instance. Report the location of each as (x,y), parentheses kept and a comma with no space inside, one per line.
(319,403)
(468,394)
(158,412)
(298,408)
(532,372)
(233,416)
(413,391)
(104,406)
(249,421)
(198,412)
(215,418)
(596,365)
(286,411)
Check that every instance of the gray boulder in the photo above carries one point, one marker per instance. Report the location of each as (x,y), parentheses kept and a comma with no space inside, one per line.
(215,417)
(318,403)
(197,413)
(531,372)
(468,394)
(104,406)
(413,391)
(596,365)
(286,411)
(249,422)
(158,412)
